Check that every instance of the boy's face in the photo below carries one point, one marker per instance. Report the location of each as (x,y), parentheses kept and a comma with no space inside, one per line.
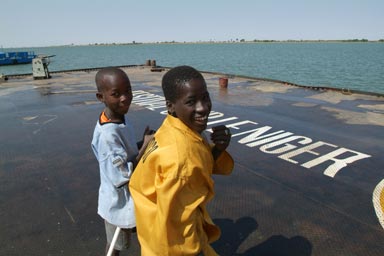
(192,105)
(117,96)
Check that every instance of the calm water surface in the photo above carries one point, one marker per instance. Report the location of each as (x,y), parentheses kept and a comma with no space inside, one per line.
(357,66)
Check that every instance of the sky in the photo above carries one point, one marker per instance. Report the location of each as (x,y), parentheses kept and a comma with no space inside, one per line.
(26,23)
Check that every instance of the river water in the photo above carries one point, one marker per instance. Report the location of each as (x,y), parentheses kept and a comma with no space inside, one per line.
(355,66)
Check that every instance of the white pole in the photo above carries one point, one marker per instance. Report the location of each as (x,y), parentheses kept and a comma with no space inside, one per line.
(110,250)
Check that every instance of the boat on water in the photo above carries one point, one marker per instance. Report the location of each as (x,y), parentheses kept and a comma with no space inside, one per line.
(308,177)
(14,58)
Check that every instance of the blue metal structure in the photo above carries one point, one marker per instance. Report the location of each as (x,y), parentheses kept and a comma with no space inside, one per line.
(12,58)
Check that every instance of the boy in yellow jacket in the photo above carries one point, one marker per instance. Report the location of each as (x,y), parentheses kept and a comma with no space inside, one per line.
(172,183)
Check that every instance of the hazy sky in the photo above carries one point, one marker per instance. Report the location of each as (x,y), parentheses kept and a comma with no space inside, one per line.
(26,23)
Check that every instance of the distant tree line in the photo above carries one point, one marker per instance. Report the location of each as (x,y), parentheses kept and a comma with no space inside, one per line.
(237,40)
(355,40)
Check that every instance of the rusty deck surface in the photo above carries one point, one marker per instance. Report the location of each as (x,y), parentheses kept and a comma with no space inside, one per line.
(308,177)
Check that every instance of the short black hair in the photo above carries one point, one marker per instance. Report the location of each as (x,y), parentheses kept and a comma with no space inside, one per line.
(177,77)
(101,75)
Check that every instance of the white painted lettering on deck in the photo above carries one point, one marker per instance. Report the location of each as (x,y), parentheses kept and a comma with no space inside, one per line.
(287,146)
(339,163)
(280,142)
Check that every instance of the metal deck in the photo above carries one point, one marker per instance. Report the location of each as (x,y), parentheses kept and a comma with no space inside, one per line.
(308,177)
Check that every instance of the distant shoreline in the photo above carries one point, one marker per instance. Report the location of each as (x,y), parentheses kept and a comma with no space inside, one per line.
(242,41)
(237,41)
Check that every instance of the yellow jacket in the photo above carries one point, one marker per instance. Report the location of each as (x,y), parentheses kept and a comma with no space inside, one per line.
(171,187)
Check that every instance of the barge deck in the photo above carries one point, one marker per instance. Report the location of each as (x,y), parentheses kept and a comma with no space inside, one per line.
(308,177)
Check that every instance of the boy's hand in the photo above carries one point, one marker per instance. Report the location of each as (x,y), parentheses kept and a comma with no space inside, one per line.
(221,137)
(147,136)
(148,131)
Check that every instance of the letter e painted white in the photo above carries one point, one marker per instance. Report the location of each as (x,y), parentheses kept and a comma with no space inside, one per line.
(255,135)
(306,149)
(236,125)
(287,146)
